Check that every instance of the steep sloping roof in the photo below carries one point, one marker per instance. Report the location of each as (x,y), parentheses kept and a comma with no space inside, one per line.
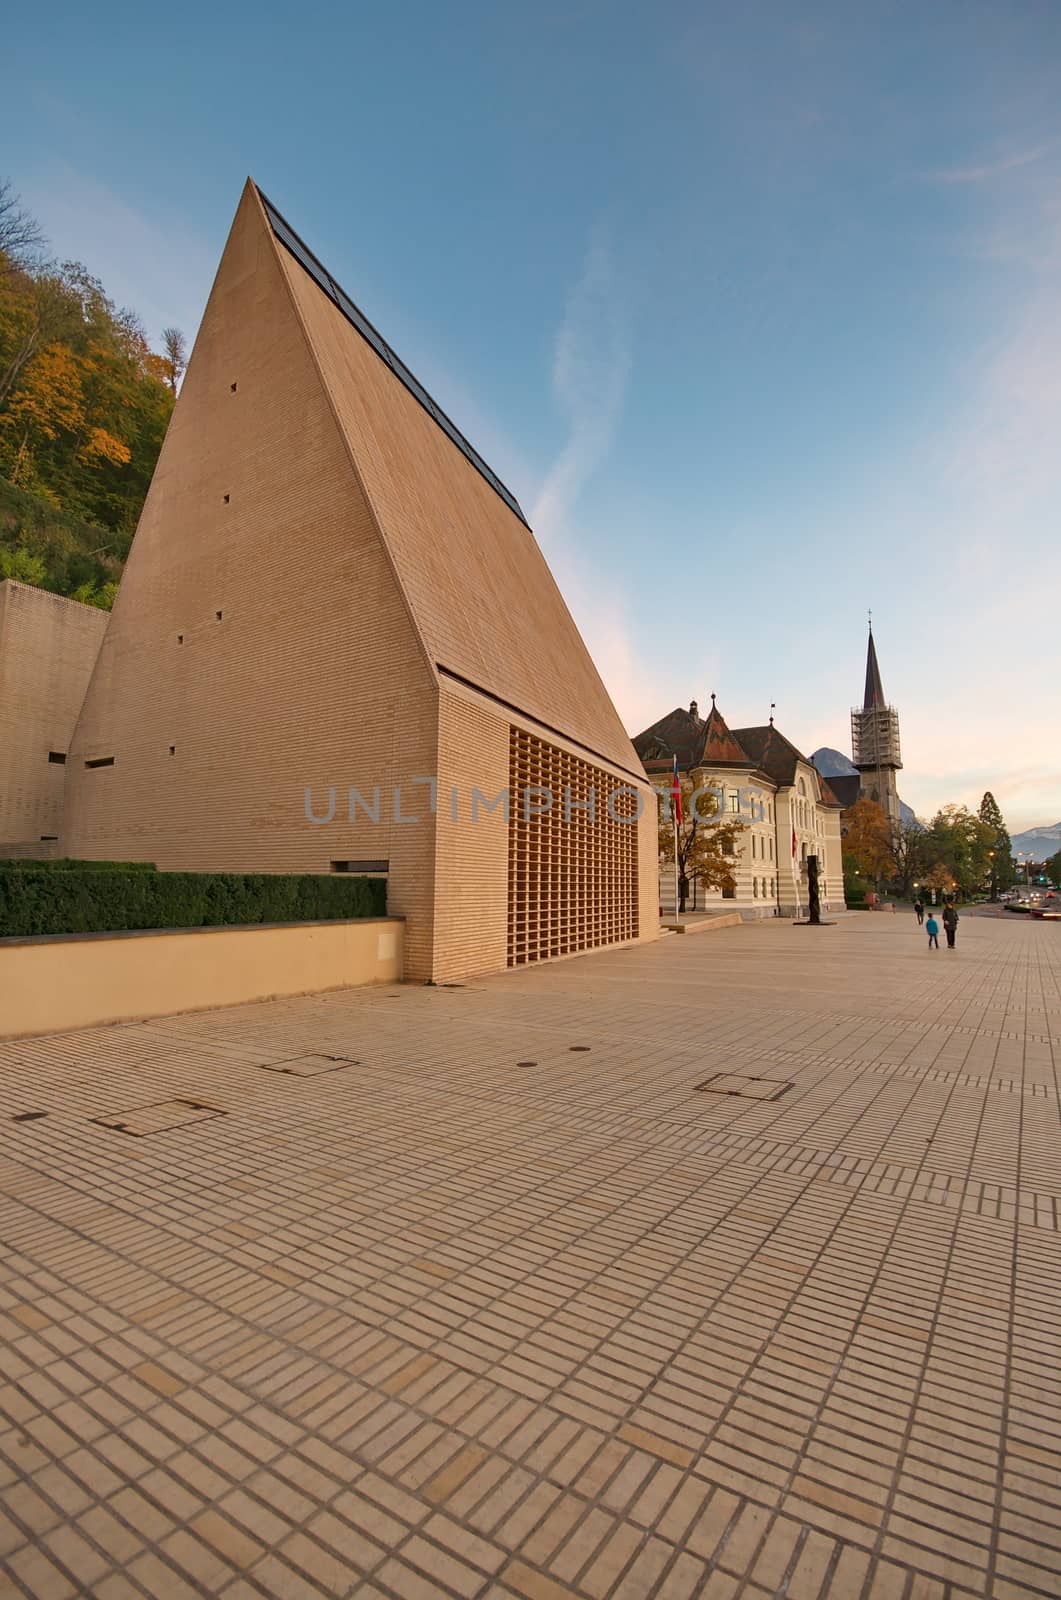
(720,747)
(482,599)
(874,688)
(695,740)
(771,751)
(829,796)
(679,734)
(844,787)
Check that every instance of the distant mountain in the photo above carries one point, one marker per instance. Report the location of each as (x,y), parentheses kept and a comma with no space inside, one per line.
(1039,843)
(834,764)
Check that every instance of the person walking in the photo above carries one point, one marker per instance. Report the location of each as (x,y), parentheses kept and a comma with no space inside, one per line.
(932,929)
(919,912)
(950,922)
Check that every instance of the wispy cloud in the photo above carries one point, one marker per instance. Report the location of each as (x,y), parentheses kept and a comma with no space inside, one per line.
(591,369)
(590,379)
(990,169)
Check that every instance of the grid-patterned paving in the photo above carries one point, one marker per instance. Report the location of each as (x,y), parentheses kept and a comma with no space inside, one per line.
(501,1305)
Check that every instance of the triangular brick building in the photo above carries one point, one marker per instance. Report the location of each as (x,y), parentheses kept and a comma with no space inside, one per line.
(330,591)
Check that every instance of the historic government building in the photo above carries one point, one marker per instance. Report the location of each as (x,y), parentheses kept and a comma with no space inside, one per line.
(788,809)
(338,647)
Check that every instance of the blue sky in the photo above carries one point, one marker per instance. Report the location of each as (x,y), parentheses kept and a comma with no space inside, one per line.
(756,309)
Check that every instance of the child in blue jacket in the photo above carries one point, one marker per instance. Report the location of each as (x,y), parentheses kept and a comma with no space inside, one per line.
(932,929)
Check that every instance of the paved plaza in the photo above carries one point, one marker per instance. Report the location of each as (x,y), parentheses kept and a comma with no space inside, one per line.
(726,1266)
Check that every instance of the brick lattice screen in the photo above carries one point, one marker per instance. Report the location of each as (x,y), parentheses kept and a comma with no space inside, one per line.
(572,880)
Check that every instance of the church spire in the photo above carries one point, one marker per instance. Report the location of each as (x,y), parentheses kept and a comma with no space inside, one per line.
(874,688)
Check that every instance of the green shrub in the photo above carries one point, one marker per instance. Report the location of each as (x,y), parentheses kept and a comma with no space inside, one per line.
(91,901)
(71,864)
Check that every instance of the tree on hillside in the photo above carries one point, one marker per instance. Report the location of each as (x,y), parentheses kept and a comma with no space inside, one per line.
(707,848)
(1001,851)
(84,405)
(1053,868)
(21,238)
(22,566)
(175,355)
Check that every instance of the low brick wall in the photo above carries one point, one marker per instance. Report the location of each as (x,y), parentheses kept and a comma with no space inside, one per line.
(52,984)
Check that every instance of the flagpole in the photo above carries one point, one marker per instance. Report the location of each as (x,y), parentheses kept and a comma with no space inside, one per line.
(677,897)
(675,810)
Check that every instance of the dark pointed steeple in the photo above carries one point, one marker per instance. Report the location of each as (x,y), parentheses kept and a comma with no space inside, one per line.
(874,689)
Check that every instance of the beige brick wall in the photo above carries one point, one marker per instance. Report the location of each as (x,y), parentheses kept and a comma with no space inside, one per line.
(471,870)
(484,600)
(312,548)
(48,647)
(472,877)
(312,675)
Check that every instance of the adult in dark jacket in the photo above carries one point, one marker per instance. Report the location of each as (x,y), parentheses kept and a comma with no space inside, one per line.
(919,912)
(950,923)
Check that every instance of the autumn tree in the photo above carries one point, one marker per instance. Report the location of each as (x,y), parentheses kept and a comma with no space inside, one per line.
(1000,854)
(707,847)
(84,404)
(941,879)
(867,838)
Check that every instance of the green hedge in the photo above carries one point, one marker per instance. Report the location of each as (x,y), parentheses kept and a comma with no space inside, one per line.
(71,864)
(102,902)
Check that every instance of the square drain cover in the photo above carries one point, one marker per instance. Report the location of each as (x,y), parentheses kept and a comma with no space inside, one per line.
(310,1066)
(159,1118)
(747,1088)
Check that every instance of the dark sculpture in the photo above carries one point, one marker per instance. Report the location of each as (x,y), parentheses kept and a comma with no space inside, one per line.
(814,897)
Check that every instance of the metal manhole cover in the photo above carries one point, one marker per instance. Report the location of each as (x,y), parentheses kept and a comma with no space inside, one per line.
(310,1066)
(158,1118)
(746,1088)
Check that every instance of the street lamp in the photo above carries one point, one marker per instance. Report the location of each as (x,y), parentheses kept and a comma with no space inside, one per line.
(991,858)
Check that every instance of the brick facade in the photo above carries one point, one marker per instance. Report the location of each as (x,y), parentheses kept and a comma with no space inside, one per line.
(48,647)
(324,594)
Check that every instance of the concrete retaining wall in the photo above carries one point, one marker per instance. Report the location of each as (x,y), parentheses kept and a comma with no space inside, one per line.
(48,985)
